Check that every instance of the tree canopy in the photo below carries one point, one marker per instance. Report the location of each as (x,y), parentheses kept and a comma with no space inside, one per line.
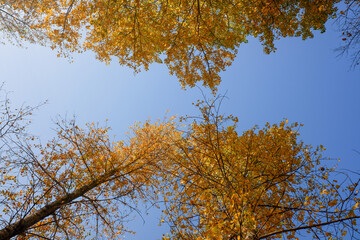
(196,39)
(79,185)
(216,182)
(260,184)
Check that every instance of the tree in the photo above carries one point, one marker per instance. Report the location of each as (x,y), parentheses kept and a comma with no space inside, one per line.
(78,180)
(217,184)
(18,19)
(196,39)
(349,23)
(261,184)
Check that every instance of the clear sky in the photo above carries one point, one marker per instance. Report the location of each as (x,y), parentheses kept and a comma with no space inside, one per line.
(303,81)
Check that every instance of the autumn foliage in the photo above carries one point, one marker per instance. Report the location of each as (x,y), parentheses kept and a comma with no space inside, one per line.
(260,184)
(215,183)
(80,185)
(196,39)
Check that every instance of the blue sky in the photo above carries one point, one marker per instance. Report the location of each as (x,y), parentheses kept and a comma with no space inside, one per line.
(303,81)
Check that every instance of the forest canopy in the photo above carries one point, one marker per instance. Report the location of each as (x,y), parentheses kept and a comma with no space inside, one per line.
(196,39)
(212,180)
(215,182)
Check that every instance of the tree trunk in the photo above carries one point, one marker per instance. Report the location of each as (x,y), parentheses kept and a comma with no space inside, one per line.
(25,223)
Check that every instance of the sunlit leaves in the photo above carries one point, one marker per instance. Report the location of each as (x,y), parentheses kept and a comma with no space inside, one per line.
(196,39)
(80,185)
(260,184)
(264,183)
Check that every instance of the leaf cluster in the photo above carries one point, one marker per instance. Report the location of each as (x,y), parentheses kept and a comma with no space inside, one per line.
(196,39)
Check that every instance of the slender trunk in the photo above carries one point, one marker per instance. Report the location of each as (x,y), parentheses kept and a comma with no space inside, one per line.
(25,223)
